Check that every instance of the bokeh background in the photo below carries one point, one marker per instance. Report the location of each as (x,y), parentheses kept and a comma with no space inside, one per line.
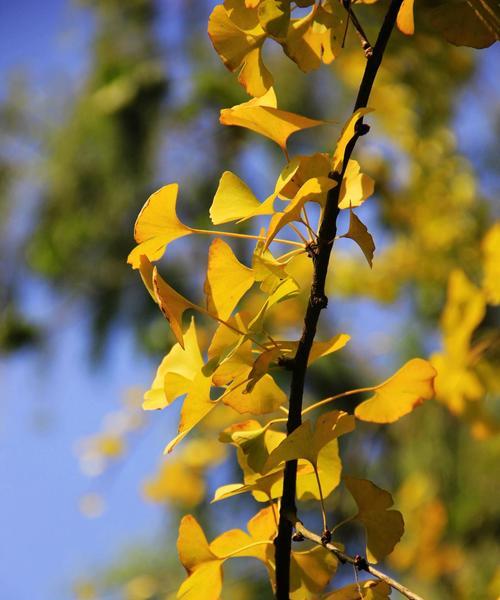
(101,103)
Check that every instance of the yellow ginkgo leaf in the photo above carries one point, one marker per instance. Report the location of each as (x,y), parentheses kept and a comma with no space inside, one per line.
(303,442)
(176,372)
(235,201)
(316,37)
(265,396)
(196,406)
(384,527)
(405,20)
(262,116)
(372,589)
(227,280)
(203,562)
(157,225)
(274,16)
(313,190)
(348,132)
(237,37)
(409,387)
(171,304)
(310,572)
(266,270)
(319,349)
(356,187)
(299,170)
(358,232)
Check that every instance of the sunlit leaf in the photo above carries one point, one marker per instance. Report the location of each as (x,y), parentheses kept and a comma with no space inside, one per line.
(227,279)
(405,20)
(157,225)
(265,396)
(171,304)
(384,527)
(372,589)
(409,387)
(262,116)
(358,232)
(274,16)
(299,170)
(317,37)
(235,201)
(314,190)
(356,187)
(176,372)
(237,37)
(196,406)
(203,562)
(348,132)
(310,572)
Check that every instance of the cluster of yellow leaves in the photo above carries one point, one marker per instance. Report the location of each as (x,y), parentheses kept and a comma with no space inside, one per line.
(310,570)
(238,30)
(462,365)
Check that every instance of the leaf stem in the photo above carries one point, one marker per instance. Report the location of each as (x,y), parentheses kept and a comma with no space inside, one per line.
(247,547)
(247,236)
(336,397)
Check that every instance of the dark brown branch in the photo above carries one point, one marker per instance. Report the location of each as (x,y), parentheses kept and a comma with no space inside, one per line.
(360,563)
(318,301)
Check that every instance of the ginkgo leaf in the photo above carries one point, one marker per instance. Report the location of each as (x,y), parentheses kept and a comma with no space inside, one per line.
(371,589)
(348,132)
(303,442)
(316,37)
(227,280)
(384,527)
(274,16)
(405,21)
(310,572)
(256,441)
(171,304)
(474,23)
(267,270)
(237,37)
(359,233)
(235,201)
(196,406)
(409,387)
(265,397)
(318,349)
(313,190)
(356,187)
(203,562)
(286,289)
(176,372)
(299,170)
(262,116)
(157,225)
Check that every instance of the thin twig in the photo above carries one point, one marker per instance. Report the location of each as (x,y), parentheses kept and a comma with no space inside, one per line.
(359,563)
(318,301)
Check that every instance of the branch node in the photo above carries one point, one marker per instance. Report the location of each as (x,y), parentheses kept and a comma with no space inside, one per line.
(297,537)
(362,128)
(326,537)
(361,563)
(286,362)
(319,301)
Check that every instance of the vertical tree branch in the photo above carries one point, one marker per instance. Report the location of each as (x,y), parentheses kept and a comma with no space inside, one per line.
(318,301)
